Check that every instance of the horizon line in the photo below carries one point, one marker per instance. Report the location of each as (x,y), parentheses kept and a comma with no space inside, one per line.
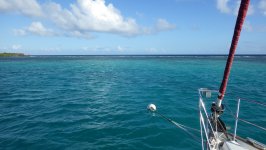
(144,55)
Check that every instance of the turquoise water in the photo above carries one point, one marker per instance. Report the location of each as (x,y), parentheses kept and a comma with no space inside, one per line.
(99,102)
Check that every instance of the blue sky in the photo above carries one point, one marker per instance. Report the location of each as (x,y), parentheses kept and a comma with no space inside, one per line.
(89,27)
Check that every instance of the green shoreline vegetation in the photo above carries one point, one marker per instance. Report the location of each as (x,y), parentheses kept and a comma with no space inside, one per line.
(11,54)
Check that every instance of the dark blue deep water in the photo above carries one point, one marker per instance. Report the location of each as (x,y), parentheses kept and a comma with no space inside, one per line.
(99,102)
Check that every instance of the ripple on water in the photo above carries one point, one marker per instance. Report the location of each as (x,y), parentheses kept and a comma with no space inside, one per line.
(100,102)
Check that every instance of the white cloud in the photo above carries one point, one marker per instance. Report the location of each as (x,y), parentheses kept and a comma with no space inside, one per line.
(163,25)
(25,7)
(160,25)
(222,6)
(247,26)
(152,50)
(35,28)
(19,32)
(120,48)
(16,47)
(39,29)
(262,6)
(115,49)
(51,49)
(81,19)
(78,34)
(229,7)
(250,8)
(92,15)
(4,49)
(259,28)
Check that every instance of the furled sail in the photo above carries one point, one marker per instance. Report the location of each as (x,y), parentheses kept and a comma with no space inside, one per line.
(239,23)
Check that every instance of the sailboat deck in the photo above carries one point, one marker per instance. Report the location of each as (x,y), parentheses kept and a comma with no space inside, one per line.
(241,144)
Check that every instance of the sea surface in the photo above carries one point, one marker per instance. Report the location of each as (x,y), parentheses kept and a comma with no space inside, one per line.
(100,102)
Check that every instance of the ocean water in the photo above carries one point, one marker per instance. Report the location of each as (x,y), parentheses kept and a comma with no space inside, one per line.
(99,102)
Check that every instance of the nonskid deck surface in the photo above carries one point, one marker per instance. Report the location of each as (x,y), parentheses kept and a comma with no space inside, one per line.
(240,143)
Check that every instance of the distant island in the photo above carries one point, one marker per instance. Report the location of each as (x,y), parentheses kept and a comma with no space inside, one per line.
(11,54)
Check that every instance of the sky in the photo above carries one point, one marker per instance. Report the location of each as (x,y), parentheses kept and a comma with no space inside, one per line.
(123,27)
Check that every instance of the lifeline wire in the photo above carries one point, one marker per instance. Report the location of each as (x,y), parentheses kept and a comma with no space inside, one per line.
(232,114)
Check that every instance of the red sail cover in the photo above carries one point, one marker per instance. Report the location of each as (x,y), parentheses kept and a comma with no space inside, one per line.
(240,20)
